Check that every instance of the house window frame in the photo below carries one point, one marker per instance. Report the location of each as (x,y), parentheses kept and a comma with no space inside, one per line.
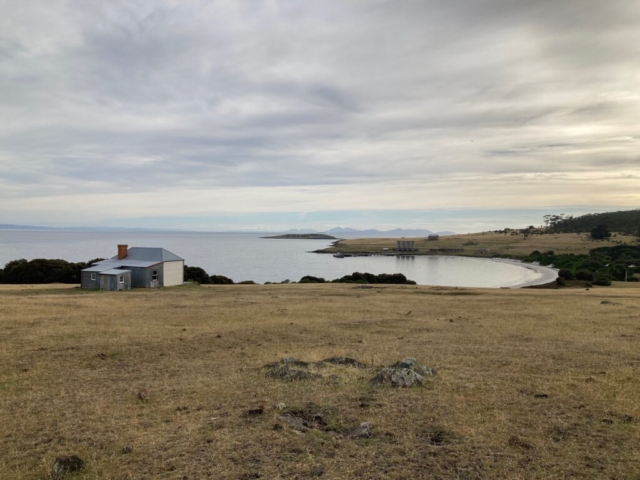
(154,275)
(121,278)
(94,276)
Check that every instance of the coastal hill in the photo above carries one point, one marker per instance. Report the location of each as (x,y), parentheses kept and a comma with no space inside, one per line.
(487,244)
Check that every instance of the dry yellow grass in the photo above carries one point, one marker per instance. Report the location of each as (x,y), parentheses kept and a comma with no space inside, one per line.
(497,243)
(199,352)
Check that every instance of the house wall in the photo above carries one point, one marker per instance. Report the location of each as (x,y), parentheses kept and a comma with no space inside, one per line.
(86,282)
(112,282)
(173,273)
(142,277)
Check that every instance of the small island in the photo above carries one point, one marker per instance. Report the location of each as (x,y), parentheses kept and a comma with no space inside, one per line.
(303,236)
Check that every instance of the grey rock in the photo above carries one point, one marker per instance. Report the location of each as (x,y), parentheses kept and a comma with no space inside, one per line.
(288,374)
(364,430)
(397,377)
(65,465)
(413,364)
(294,422)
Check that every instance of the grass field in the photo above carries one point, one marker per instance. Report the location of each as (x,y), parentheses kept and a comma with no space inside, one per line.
(532,384)
(493,243)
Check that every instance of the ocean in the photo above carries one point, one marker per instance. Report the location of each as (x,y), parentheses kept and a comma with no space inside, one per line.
(246,256)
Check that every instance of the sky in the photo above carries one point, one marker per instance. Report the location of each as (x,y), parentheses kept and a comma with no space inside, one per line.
(270,115)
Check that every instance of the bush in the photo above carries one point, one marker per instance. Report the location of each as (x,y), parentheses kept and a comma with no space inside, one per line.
(310,279)
(220,280)
(600,232)
(247,282)
(602,280)
(585,275)
(196,274)
(566,274)
(357,277)
(560,282)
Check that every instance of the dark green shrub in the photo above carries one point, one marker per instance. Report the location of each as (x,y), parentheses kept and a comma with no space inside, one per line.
(560,282)
(220,280)
(196,274)
(602,280)
(310,279)
(247,282)
(585,275)
(566,274)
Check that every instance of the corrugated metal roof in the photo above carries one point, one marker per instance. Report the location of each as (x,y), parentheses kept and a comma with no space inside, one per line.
(115,271)
(150,254)
(141,257)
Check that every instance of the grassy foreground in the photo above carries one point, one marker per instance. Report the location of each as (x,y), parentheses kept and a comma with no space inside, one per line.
(532,384)
(491,243)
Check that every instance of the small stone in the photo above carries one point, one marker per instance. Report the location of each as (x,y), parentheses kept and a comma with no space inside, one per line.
(126,450)
(143,395)
(541,395)
(289,374)
(317,471)
(66,464)
(364,430)
(277,427)
(280,406)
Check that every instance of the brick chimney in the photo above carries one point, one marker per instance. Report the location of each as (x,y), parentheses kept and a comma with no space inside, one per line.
(123,251)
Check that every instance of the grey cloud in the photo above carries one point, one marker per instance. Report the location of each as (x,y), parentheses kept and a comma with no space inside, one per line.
(128,96)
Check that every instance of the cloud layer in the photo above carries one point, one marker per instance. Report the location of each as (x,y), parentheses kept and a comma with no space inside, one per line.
(127,109)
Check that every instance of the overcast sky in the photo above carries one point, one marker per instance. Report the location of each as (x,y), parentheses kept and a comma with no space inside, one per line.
(294,114)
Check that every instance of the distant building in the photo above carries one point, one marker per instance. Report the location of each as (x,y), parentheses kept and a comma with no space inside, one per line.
(135,267)
(433,237)
(405,245)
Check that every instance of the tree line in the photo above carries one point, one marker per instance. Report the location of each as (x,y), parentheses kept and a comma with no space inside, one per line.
(626,221)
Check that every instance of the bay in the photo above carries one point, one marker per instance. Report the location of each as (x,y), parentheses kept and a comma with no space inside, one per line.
(246,256)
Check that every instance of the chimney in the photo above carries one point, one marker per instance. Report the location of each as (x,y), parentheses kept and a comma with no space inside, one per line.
(123,251)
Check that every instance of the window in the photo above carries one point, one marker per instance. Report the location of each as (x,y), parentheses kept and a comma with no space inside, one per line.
(121,278)
(154,276)
(93,276)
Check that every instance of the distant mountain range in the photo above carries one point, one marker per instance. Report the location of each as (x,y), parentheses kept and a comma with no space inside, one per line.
(336,232)
(353,232)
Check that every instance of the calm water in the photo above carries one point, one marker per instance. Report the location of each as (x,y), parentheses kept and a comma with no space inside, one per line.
(244,256)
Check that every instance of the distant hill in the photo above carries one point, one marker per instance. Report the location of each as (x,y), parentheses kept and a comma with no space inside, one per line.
(626,221)
(396,232)
(6,226)
(303,236)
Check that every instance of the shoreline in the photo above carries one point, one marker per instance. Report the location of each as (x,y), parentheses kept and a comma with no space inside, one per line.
(548,274)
